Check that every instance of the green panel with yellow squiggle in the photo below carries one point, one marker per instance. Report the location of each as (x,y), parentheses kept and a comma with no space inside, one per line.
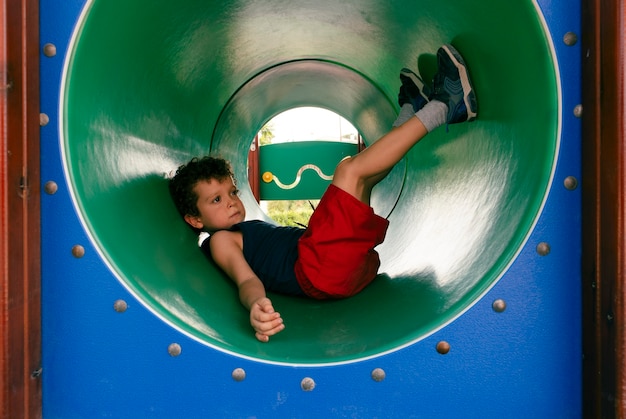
(300,170)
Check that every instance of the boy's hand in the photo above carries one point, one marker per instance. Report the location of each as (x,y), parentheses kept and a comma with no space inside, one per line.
(265,321)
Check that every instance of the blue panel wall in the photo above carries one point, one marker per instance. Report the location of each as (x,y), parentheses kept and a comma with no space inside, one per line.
(522,362)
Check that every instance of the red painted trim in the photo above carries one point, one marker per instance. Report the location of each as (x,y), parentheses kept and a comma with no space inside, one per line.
(254,177)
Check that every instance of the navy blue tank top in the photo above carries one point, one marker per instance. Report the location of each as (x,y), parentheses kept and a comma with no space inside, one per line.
(271,251)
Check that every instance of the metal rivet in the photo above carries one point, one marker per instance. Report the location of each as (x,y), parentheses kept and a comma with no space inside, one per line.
(307,384)
(378,375)
(174,349)
(570,38)
(51,187)
(578,111)
(543,248)
(570,183)
(36,373)
(499,305)
(239,374)
(78,251)
(43,119)
(120,306)
(443,347)
(49,50)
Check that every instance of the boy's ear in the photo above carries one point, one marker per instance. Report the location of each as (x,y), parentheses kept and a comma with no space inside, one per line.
(194,221)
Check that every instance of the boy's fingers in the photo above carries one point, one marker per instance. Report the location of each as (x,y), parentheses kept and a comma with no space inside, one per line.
(262,316)
(266,306)
(265,321)
(268,317)
(264,335)
(278,328)
(265,326)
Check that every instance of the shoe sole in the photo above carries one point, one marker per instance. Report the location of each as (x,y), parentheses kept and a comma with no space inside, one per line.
(416,80)
(469,97)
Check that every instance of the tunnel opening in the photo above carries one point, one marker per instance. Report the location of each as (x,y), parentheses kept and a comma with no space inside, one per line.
(188,80)
(292,159)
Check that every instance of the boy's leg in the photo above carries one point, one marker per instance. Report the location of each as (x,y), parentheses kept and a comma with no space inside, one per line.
(412,96)
(357,175)
(453,101)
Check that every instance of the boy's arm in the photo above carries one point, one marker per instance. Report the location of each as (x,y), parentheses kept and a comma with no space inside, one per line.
(227,251)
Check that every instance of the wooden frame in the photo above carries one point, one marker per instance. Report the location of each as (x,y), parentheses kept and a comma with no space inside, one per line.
(604,212)
(604,239)
(20,347)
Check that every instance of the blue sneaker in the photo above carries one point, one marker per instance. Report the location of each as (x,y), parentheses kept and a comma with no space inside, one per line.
(413,90)
(452,86)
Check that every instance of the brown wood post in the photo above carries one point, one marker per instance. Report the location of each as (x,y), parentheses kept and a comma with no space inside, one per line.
(20,330)
(604,211)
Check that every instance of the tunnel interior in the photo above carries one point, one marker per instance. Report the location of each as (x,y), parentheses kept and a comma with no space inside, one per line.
(149,85)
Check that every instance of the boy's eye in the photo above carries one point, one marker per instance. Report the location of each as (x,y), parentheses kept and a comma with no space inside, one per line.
(235,192)
(217,199)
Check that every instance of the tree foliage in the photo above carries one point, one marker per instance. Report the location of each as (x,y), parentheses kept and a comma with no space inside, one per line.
(266,135)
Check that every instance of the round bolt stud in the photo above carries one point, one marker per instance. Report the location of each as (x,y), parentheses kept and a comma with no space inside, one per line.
(239,374)
(78,251)
(174,349)
(267,177)
(120,306)
(307,384)
(499,305)
(49,50)
(570,39)
(44,119)
(578,111)
(443,347)
(543,249)
(51,187)
(570,183)
(378,375)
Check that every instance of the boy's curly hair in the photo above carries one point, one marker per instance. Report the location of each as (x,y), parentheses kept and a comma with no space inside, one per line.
(188,175)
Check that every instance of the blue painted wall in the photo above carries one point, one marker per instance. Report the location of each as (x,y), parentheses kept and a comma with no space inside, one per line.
(523,362)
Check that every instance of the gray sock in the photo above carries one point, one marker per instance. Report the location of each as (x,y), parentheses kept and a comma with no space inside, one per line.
(406,113)
(433,114)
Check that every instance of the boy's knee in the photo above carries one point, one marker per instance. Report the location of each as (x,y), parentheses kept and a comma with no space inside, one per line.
(345,169)
(348,178)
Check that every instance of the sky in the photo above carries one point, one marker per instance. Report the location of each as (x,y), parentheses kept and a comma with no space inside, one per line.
(302,124)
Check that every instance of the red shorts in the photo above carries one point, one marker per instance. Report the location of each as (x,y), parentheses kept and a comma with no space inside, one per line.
(336,256)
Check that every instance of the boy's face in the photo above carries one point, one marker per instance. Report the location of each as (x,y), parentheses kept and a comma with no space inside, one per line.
(219,205)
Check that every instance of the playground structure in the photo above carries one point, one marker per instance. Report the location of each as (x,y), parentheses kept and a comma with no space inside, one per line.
(130,308)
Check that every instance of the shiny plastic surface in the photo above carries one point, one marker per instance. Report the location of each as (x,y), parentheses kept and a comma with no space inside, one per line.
(168,81)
